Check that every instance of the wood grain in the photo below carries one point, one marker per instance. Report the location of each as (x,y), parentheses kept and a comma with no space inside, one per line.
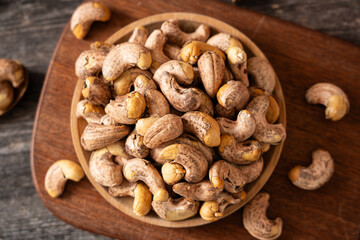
(300,57)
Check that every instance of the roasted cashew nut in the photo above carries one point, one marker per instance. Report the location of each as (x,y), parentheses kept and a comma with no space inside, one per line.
(233,94)
(155,44)
(139,35)
(265,132)
(273,112)
(175,35)
(176,209)
(222,111)
(201,191)
(135,146)
(241,129)
(139,191)
(90,112)
(123,84)
(256,222)
(123,57)
(90,62)
(191,52)
(262,73)
(213,210)
(96,91)
(142,83)
(172,51)
(181,71)
(239,152)
(96,136)
(332,97)
(85,15)
(207,105)
(232,177)
(13,71)
(57,175)
(315,175)
(6,95)
(183,161)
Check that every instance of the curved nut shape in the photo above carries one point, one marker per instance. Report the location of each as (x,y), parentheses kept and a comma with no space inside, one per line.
(143,124)
(180,157)
(90,62)
(241,129)
(123,57)
(336,102)
(265,132)
(181,71)
(237,59)
(239,152)
(57,175)
(203,126)
(143,83)
(224,42)
(222,111)
(13,71)
(103,168)
(176,209)
(173,32)
(90,112)
(315,175)
(108,121)
(135,146)
(164,129)
(207,105)
(139,191)
(172,51)
(256,222)
(126,109)
(138,169)
(85,15)
(212,68)
(96,91)
(191,52)
(6,95)
(232,177)
(160,156)
(139,35)
(97,136)
(155,44)
(262,73)
(156,103)
(233,94)
(213,210)
(123,84)
(273,112)
(201,191)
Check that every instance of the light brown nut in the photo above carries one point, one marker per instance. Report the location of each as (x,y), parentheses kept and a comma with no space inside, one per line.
(182,99)
(172,51)
(213,210)
(139,35)
(191,52)
(90,112)
(155,44)
(13,71)
(201,191)
(138,190)
(212,68)
(85,15)
(273,112)
(336,102)
(143,83)
(118,149)
(241,129)
(224,41)
(175,35)
(123,84)
(108,121)
(317,174)
(126,109)
(6,95)
(143,124)
(256,222)
(164,129)
(207,105)
(232,178)
(265,132)
(262,73)
(227,75)
(101,45)
(265,147)
(159,155)
(156,103)
(57,175)
(203,126)
(96,91)
(239,152)
(97,136)
(123,57)
(222,111)
(233,94)
(103,168)
(176,209)
(138,169)
(181,71)
(135,146)
(90,62)
(183,160)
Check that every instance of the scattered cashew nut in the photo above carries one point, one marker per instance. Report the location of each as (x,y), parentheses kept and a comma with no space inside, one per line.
(13,71)
(6,95)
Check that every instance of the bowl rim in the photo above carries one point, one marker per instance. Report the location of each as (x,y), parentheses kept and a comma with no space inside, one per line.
(256,186)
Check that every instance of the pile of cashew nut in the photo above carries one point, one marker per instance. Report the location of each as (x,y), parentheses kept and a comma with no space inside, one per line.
(175,122)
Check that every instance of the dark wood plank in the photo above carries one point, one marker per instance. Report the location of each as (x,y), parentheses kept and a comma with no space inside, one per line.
(301,58)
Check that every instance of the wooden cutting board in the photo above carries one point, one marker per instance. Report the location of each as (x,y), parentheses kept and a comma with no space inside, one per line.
(301,58)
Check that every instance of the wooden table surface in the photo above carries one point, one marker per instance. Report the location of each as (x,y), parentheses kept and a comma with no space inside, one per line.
(29,31)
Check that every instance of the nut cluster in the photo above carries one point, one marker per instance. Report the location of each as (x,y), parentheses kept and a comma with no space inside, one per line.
(173,120)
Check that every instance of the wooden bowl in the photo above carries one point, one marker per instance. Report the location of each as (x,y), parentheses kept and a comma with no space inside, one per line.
(189,22)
